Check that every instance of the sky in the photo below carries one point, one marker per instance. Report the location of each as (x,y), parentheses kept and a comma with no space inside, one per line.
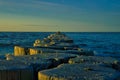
(60,15)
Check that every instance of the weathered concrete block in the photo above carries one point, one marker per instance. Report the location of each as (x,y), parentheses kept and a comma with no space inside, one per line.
(36,62)
(107,61)
(19,51)
(40,50)
(78,72)
(34,51)
(12,70)
(93,60)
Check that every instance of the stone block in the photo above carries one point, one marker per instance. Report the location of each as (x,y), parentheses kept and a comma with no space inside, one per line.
(78,72)
(12,70)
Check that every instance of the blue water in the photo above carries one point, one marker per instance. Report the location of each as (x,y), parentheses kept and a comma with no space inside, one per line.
(103,44)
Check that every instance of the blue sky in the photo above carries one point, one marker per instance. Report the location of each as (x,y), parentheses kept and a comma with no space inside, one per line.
(60,15)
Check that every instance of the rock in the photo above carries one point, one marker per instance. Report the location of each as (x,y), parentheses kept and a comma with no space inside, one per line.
(93,59)
(63,46)
(53,39)
(78,72)
(12,70)
(81,52)
(43,50)
(9,56)
(55,43)
(38,62)
(107,61)
(37,41)
(19,51)
(34,51)
(43,58)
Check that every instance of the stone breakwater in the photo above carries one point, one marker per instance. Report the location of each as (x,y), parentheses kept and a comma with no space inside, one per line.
(54,43)
(59,66)
(27,67)
(57,58)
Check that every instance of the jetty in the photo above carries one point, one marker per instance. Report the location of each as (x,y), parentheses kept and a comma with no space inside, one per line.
(54,43)
(57,57)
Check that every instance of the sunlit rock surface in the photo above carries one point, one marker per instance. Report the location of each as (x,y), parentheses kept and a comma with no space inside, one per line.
(19,51)
(56,57)
(107,61)
(27,67)
(54,43)
(79,72)
(93,59)
(84,68)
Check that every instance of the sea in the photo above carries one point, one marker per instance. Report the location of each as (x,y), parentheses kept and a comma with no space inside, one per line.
(102,43)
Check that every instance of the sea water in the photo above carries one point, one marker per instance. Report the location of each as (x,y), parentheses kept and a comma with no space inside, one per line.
(102,43)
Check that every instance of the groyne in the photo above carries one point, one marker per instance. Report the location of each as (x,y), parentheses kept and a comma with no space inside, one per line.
(57,58)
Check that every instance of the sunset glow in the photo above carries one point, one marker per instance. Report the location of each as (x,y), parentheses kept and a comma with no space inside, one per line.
(60,15)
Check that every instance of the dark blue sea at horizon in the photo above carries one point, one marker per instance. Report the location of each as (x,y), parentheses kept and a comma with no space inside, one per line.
(102,43)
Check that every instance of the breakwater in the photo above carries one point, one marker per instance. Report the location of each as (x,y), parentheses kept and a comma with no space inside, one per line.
(57,57)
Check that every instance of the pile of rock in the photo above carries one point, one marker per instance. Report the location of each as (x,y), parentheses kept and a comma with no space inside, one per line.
(27,67)
(54,43)
(53,39)
(84,68)
(59,67)
(57,58)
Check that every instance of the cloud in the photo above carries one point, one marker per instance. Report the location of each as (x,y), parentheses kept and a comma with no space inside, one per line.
(47,3)
(40,9)
(33,5)
(28,25)
(38,25)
